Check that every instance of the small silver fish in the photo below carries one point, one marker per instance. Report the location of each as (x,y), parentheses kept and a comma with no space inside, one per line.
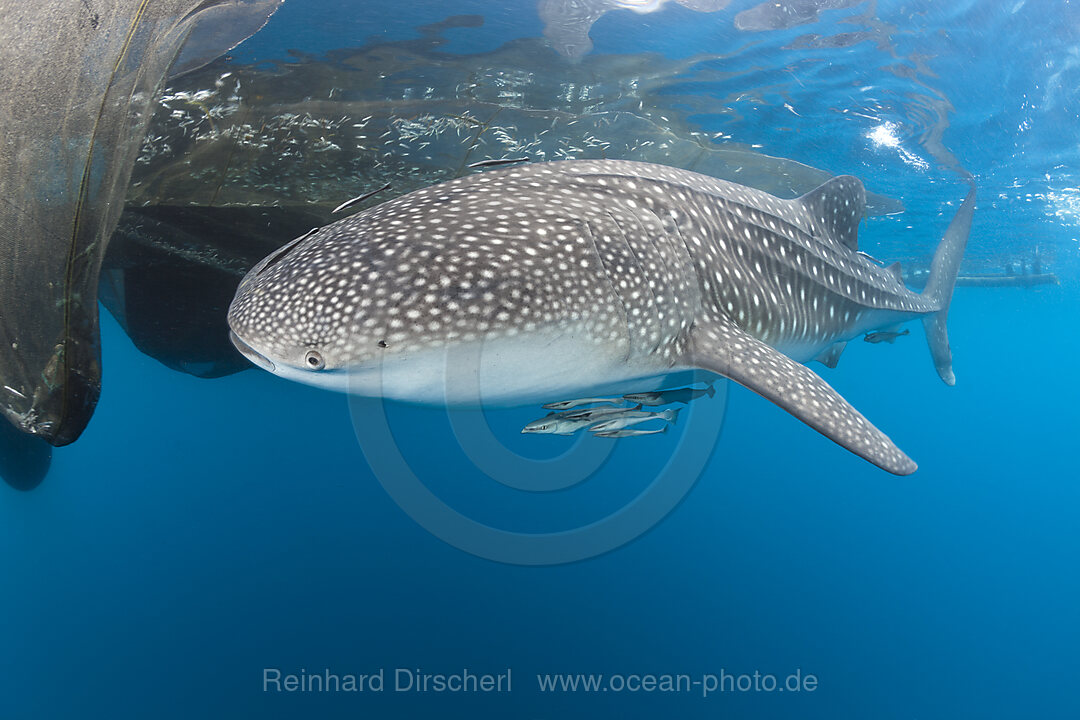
(497,161)
(666,397)
(623,421)
(359,199)
(888,336)
(568,404)
(12,390)
(630,433)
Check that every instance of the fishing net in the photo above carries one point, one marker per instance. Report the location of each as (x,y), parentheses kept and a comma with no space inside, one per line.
(239,159)
(79,77)
(314,132)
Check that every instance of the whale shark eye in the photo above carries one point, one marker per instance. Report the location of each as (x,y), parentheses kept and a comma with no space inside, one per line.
(314,360)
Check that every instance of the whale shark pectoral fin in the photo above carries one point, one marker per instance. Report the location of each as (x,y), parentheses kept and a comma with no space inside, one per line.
(831,355)
(722,347)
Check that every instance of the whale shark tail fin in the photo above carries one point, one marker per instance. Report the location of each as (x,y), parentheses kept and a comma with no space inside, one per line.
(939,287)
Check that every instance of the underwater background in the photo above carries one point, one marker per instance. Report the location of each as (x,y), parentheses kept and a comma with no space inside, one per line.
(203,531)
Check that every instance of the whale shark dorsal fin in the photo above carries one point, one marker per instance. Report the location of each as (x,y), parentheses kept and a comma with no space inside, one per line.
(831,355)
(717,344)
(897,272)
(837,207)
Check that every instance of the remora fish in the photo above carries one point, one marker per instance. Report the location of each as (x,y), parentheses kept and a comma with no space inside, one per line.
(562,278)
(888,336)
(359,199)
(569,404)
(554,425)
(666,397)
(570,421)
(498,161)
(598,413)
(630,433)
(619,423)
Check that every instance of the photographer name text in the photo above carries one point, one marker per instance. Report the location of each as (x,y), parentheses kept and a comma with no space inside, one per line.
(402,680)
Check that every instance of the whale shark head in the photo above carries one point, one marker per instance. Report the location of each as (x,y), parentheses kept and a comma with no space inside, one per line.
(484,274)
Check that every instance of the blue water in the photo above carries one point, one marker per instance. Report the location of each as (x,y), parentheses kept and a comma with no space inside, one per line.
(202,531)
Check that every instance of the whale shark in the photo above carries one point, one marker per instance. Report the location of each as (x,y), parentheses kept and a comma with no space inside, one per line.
(543,280)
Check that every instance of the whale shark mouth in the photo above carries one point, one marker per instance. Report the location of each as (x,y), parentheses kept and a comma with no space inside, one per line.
(251,353)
